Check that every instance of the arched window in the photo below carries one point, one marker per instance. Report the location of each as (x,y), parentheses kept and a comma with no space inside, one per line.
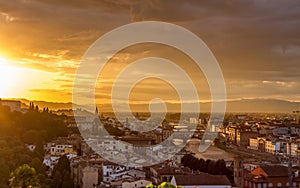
(279,184)
(270,185)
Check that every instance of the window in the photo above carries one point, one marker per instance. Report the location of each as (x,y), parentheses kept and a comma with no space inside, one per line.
(279,184)
(270,185)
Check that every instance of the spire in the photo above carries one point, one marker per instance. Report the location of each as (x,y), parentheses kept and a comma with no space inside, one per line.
(96,111)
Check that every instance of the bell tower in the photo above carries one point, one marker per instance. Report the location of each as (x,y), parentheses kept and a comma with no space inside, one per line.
(238,172)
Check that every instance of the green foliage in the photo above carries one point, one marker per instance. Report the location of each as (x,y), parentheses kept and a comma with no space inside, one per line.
(209,166)
(151,186)
(166,185)
(4,173)
(2,185)
(62,174)
(38,165)
(162,185)
(18,129)
(24,176)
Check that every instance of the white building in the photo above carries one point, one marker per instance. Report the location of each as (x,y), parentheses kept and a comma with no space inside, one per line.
(13,105)
(135,184)
(263,144)
(62,149)
(89,177)
(112,172)
(294,148)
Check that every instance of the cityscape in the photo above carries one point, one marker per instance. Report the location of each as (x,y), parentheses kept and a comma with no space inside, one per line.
(155,94)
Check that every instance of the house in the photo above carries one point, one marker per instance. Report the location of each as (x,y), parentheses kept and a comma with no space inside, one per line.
(135,184)
(263,144)
(31,147)
(13,105)
(89,177)
(202,180)
(269,176)
(165,172)
(62,149)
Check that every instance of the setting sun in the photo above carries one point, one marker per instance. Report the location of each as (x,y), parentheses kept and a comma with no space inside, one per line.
(9,77)
(17,81)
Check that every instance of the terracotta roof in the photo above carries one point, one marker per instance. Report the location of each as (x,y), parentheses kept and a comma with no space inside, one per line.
(201,179)
(167,170)
(275,171)
(135,138)
(255,178)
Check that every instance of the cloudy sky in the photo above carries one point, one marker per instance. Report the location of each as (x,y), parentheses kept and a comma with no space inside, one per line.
(257,44)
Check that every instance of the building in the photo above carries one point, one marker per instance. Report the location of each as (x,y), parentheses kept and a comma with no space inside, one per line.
(164,172)
(263,144)
(238,172)
(115,173)
(202,180)
(13,105)
(89,177)
(265,176)
(135,184)
(167,130)
(64,145)
(86,171)
(294,149)
(245,136)
(62,149)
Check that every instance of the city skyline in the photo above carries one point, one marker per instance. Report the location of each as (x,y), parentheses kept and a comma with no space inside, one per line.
(255,42)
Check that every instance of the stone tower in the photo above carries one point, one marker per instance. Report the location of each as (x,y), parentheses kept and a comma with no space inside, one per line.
(96,123)
(238,172)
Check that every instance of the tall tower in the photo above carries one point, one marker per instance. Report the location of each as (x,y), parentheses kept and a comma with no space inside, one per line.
(96,123)
(238,172)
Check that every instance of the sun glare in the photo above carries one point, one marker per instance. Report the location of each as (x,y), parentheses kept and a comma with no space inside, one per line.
(2,60)
(17,81)
(8,78)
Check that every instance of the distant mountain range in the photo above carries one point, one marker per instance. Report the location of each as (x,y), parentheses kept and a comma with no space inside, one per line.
(262,105)
(243,105)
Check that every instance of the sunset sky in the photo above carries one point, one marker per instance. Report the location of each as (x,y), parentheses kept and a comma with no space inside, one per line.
(257,42)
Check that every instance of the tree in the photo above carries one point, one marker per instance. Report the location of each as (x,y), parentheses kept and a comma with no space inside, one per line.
(24,176)
(4,173)
(166,185)
(38,165)
(163,185)
(61,174)
(151,186)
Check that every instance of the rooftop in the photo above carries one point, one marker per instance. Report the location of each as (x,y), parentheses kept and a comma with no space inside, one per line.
(201,179)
